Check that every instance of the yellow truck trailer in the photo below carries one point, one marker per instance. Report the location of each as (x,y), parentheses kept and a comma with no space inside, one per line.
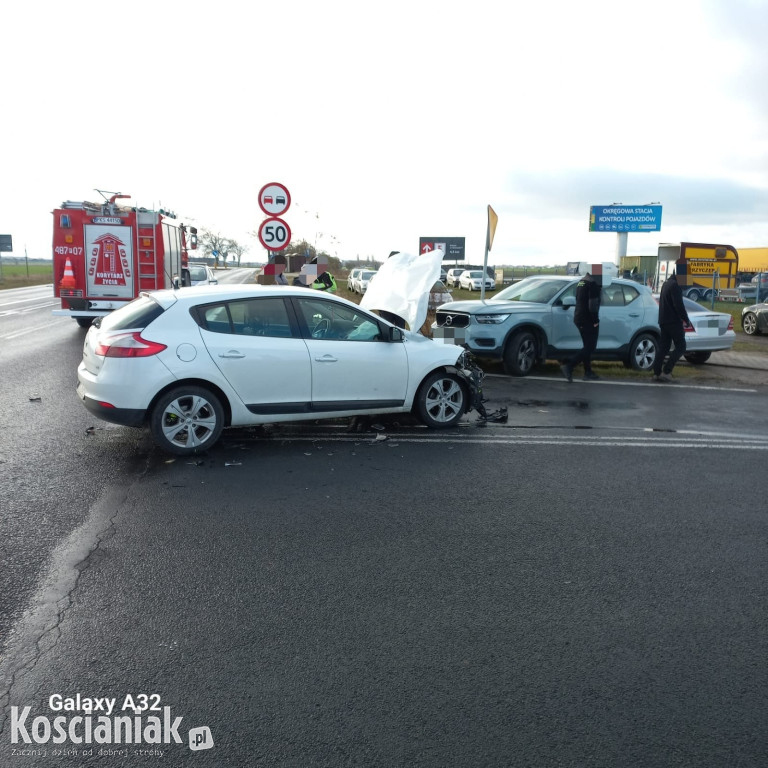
(753,260)
(703,269)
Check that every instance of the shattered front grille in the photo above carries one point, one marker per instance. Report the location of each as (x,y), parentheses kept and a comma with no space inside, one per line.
(451,319)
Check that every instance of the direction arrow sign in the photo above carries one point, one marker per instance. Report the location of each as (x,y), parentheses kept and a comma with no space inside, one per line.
(274,234)
(274,199)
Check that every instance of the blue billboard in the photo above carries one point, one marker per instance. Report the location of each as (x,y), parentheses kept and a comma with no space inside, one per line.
(625,218)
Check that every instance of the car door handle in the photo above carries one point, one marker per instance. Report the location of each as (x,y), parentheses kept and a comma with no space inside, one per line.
(326,359)
(233,354)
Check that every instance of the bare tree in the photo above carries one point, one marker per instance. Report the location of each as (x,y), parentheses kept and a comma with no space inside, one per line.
(213,245)
(236,250)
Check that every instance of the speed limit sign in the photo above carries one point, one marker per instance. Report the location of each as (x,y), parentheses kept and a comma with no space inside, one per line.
(274,234)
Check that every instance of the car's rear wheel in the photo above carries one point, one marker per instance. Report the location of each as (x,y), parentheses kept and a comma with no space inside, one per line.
(693,295)
(520,354)
(749,324)
(441,400)
(697,358)
(84,322)
(643,352)
(187,420)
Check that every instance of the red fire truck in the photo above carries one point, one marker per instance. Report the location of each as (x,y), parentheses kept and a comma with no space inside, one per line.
(106,254)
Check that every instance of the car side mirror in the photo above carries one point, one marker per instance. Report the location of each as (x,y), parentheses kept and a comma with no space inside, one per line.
(396,334)
(568,302)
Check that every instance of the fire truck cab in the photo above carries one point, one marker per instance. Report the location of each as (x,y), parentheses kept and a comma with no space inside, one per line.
(106,254)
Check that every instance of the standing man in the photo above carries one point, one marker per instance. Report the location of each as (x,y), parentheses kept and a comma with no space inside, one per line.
(586,317)
(672,321)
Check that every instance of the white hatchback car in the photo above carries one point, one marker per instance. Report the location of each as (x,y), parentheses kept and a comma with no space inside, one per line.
(188,363)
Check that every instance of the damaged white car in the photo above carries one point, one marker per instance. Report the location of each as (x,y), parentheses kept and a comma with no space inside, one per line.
(192,362)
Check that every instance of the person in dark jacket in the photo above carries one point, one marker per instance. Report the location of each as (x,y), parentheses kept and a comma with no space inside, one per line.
(672,321)
(586,317)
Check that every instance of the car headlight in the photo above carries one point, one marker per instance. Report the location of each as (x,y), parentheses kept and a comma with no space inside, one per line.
(491,319)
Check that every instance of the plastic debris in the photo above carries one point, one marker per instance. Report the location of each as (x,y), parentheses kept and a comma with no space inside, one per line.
(379,438)
(35,399)
(233,463)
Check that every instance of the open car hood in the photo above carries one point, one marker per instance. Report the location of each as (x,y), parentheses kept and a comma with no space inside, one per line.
(402,286)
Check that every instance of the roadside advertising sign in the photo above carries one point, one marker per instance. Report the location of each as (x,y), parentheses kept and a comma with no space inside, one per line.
(625,218)
(452,247)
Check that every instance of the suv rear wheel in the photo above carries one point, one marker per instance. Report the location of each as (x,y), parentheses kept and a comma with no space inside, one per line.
(520,354)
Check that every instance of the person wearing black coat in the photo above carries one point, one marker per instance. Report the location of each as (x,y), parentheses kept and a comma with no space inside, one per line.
(586,317)
(672,321)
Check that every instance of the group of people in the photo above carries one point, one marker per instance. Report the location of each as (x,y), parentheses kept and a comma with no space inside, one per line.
(672,321)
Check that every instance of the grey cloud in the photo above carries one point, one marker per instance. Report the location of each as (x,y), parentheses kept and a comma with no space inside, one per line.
(690,200)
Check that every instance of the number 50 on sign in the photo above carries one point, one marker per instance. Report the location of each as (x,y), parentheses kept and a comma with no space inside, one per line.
(274,234)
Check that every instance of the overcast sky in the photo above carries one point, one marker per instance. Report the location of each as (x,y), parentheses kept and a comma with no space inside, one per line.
(394,120)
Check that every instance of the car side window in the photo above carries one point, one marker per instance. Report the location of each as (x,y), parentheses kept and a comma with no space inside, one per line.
(260,317)
(215,318)
(248,317)
(329,320)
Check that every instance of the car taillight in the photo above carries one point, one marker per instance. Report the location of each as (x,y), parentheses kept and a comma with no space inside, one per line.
(730,324)
(128,345)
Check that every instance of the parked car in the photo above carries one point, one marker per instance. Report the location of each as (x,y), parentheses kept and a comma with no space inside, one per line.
(754,319)
(709,332)
(452,276)
(362,280)
(443,275)
(201,274)
(188,363)
(352,277)
(438,295)
(473,281)
(532,321)
(748,291)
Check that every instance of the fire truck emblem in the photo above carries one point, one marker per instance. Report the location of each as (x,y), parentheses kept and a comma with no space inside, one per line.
(108,264)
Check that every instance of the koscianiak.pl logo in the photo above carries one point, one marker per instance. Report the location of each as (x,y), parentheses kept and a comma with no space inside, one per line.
(132,724)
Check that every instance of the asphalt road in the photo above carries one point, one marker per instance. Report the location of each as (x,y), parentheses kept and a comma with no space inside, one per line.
(583,585)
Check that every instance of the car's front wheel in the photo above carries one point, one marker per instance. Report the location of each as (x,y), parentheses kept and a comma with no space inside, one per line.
(749,324)
(441,400)
(697,358)
(643,352)
(520,354)
(187,420)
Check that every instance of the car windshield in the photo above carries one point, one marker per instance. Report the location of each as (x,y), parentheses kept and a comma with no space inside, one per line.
(197,273)
(367,275)
(539,290)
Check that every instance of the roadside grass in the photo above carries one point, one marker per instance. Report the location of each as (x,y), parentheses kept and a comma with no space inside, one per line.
(23,276)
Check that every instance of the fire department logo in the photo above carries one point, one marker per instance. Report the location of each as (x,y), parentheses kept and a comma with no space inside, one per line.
(108,263)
